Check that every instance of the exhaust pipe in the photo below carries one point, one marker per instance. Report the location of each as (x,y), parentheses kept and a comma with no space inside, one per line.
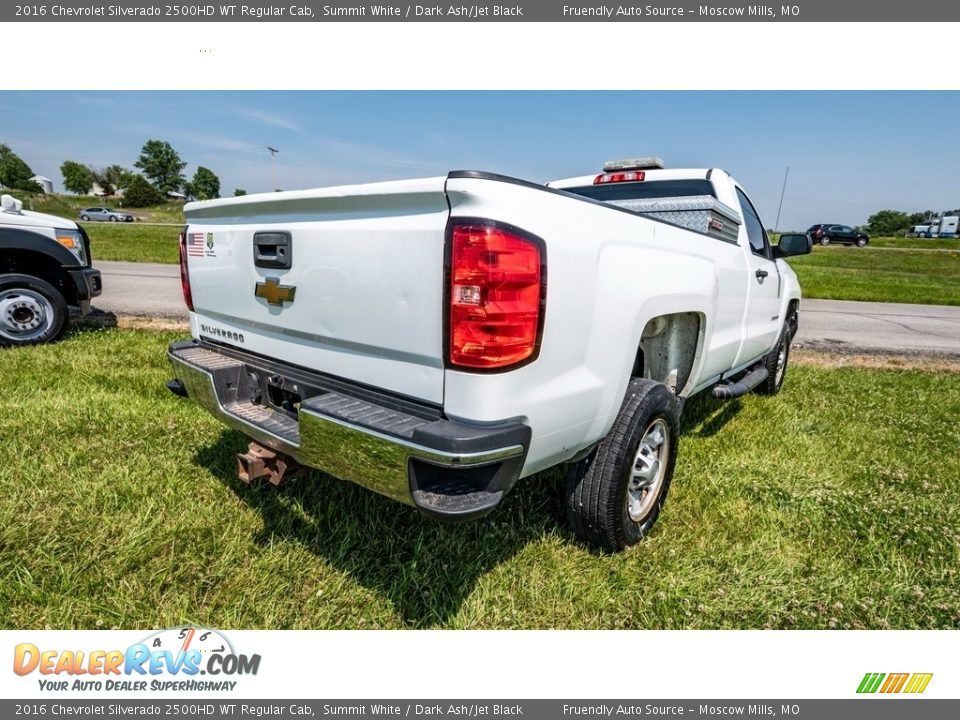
(259,461)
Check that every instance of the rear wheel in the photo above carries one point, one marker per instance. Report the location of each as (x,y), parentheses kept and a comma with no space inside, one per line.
(85,218)
(614,496)
(776,361)
(825,240)
(32,311)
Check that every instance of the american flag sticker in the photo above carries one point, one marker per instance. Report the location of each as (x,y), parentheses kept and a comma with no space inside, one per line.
(196,244)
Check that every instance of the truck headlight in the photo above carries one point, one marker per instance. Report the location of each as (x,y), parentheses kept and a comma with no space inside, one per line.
(72,240)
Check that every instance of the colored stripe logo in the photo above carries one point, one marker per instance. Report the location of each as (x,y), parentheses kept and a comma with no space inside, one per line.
(913,683)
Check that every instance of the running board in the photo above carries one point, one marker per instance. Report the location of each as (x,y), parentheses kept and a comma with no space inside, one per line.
(729,390)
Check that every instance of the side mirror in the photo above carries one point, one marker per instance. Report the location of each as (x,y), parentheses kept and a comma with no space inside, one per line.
(793,244)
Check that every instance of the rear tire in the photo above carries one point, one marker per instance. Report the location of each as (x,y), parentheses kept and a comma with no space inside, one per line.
(776,361)
(614,495)
(32,311)
(85,218)
(825,241)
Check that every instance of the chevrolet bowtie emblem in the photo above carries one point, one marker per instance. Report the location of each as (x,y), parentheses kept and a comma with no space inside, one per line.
(275,293)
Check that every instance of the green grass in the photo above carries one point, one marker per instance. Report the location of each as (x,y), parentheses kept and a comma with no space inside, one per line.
(835,504)
(916,243)
(69,206)
(133,242)
(882,274)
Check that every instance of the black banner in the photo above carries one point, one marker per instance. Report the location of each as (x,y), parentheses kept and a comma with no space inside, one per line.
(858,11)
(214,708)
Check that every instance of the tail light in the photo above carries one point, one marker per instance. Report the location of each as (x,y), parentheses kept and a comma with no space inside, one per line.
(497,287)
(184,275)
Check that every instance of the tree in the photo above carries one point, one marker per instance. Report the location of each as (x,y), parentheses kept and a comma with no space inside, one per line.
(14,172)
(77,178)
(237,192)
(162,165)
(888,222)
(139,193)
(205,185)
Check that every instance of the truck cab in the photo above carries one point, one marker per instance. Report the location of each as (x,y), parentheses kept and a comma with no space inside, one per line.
(752,304)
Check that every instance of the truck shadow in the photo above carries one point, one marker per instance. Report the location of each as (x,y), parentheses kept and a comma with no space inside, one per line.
(423,568)
(705,416)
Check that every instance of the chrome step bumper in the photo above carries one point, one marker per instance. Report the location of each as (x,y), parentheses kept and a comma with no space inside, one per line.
(447,470)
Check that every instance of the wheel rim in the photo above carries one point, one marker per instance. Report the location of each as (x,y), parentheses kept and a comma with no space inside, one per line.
(649,470)
(24,314)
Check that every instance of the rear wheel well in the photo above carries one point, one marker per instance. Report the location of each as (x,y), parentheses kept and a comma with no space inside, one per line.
(668,349)
(41,265)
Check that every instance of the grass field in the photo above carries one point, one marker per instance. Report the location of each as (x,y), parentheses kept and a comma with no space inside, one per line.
(835,504)
(895,272)
(133,242)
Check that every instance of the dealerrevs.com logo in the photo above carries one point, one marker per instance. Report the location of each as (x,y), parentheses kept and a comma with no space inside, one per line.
(179,659)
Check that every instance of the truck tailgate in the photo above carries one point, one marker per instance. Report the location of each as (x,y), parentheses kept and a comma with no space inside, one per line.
(362,298)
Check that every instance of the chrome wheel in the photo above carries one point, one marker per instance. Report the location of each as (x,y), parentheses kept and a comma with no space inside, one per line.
(649,469)
(24,314)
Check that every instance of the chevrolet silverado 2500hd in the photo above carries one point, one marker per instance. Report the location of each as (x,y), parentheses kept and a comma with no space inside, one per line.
(44,268)
(436,340)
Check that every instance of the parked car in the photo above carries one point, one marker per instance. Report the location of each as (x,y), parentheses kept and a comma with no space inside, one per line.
(44,268)
(436,340)
(844,234)
(105,214)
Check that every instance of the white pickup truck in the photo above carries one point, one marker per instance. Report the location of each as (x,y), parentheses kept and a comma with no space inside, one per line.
(436,340)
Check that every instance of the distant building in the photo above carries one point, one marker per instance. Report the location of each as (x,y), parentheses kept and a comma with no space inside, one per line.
(44,182)
(174,195)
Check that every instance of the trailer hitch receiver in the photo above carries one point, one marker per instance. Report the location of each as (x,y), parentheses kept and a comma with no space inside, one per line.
(259,461)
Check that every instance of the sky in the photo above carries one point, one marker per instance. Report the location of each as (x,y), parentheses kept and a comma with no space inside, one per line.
(849,153)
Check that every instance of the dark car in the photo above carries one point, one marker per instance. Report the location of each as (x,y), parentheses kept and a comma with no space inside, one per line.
(824,233)
(105,214)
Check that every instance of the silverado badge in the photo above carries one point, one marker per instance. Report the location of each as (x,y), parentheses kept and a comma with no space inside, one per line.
(275,293)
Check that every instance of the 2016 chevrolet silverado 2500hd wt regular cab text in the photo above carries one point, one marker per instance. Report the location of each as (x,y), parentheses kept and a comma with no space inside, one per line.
(436,340)
(44,268)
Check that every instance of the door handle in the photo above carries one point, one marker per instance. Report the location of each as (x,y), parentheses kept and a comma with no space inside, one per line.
(761,274)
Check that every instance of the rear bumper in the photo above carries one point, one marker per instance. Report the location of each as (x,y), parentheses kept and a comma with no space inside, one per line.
(447,470)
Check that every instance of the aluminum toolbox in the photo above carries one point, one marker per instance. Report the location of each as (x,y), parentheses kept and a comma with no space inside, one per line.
(702,213)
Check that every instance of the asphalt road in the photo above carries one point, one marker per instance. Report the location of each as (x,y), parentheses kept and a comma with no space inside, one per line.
(154,290)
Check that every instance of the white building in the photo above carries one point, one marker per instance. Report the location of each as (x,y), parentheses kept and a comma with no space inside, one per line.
(44,182)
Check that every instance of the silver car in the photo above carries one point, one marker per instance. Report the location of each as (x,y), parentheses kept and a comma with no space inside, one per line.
(105,214)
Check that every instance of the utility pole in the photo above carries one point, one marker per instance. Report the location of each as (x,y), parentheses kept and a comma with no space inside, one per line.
(782,191)
(273,166)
